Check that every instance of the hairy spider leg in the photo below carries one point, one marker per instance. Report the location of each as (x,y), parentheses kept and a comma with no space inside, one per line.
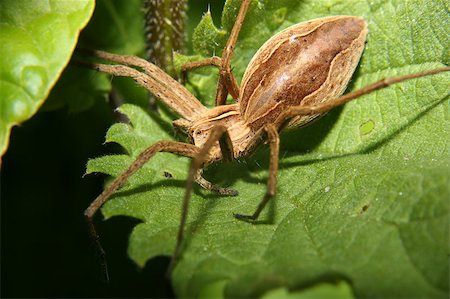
(179,148)
(227,83)
(383,83)
(274,143)
(217,133)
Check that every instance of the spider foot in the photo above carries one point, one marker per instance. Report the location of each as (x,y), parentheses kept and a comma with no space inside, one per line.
(214,188)
(226,191)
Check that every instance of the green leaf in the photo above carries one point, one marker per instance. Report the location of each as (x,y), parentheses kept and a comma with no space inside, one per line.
(362,193)
(207,38)
(37,39)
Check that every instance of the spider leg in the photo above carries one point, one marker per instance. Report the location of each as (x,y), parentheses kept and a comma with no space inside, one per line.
(324,107)
(179,148)
(224,85)
(200,158)
(227,82)
(274,142)
(175,96)
(128,60)
(155,80)
(212,61)
(205,184)
(226,147)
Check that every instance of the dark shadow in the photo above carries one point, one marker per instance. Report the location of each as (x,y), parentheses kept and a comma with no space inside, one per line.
(142,188)
(308,137)
(364,149)
(406,126)
(46,251)
(126,278)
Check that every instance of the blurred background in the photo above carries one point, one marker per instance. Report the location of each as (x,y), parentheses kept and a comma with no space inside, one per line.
(45,249)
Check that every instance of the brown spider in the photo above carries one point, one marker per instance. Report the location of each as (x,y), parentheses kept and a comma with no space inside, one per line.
(297,75)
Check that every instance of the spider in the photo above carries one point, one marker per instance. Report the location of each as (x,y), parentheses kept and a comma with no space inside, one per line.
(296,76)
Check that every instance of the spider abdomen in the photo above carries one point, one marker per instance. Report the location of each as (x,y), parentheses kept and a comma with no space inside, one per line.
(304,64)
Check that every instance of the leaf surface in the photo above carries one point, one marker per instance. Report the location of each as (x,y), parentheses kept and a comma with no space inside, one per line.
(37,40)
(362,193)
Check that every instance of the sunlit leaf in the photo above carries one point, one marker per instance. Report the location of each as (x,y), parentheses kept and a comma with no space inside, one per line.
(37,40)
